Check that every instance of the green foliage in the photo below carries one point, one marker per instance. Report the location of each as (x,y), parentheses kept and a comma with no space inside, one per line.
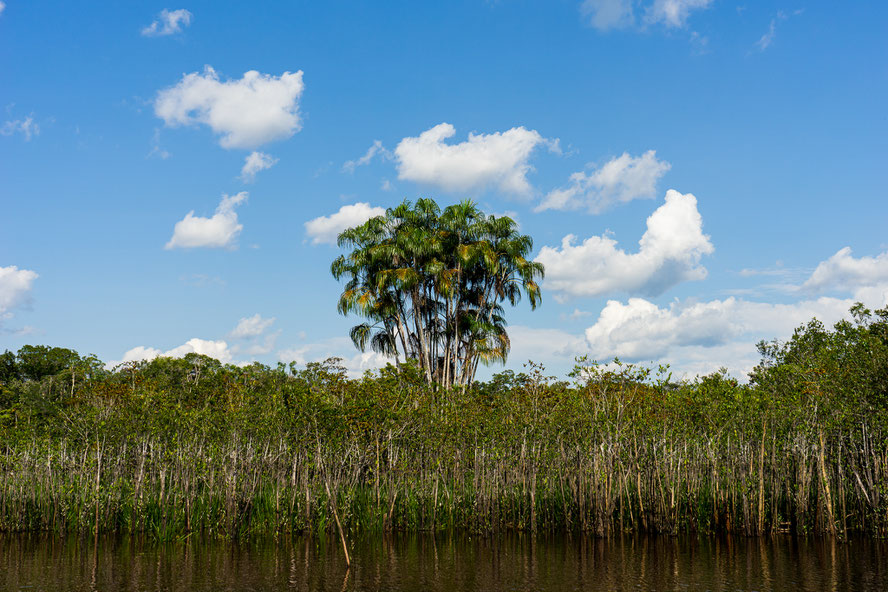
(832,368)
(432,285)
(8,368)
(171,447)
(34,362)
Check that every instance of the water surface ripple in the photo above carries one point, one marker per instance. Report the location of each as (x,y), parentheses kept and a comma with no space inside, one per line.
(444,563)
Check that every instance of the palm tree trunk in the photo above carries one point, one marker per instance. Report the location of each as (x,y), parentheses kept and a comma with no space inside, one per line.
(423,347)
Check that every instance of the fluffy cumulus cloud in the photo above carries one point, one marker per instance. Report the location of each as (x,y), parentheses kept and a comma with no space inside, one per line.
(246,113)
(137,354)
(15,289)
(250,332)
(701,331)
(699,337)
(325,229)
(214,349)
(253,326)
(254,163)
(218,231)
(844,272)
(669,252)
(498,160)
(619,180)
(694,338)
(26,127)
(621,14)
(168,22)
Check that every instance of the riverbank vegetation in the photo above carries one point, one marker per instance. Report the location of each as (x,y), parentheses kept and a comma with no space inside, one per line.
(172,447)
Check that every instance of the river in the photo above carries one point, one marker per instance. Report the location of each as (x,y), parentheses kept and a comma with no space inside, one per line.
(445,563)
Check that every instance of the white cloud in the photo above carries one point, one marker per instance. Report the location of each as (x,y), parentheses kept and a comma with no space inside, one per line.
(844,272)
(699,337)
(608,14)
(253,326)
(673,13)
(359,363)
(376,148)
(325,229)
(2,7)
(168,22)
(220,230)
(26,127)
(260,348)
(578,314)
(137,354)
(875,296)
(355,363)
(214,349)
(255,162)
(768,37)
(739,357)
(778,270)
(21,331)
(15,285)
(552,346)
(641,330)
(156,149)
(694,338)
(620,14)
(257,109)
(201,280)
(497,160)
(294,354)
(620,180)
(669,252)
(15,289)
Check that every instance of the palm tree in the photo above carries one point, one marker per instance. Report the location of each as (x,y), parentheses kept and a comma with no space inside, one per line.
(434,283)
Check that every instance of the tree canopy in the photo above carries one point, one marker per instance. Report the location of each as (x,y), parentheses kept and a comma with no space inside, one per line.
(431,285)
(173,446)
(848,364)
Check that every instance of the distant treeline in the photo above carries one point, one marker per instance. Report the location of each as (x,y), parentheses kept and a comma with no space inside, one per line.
(172,447)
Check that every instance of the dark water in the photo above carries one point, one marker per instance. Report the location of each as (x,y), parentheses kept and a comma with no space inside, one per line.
(444,563)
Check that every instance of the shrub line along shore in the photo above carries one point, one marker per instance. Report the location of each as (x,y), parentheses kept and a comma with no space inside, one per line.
(172,447)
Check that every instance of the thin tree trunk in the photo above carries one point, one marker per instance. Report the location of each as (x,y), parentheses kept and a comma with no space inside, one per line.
(420,330)
(761,468)
(825,480)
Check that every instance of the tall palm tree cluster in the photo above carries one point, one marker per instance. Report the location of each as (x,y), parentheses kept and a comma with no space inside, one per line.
(431,285)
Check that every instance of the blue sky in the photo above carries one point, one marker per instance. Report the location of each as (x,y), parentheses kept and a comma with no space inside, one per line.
(697,175)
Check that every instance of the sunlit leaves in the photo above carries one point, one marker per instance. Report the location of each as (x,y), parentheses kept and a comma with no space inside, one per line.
(431,284)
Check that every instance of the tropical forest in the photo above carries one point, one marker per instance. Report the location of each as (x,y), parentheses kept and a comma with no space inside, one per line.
(171,447)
